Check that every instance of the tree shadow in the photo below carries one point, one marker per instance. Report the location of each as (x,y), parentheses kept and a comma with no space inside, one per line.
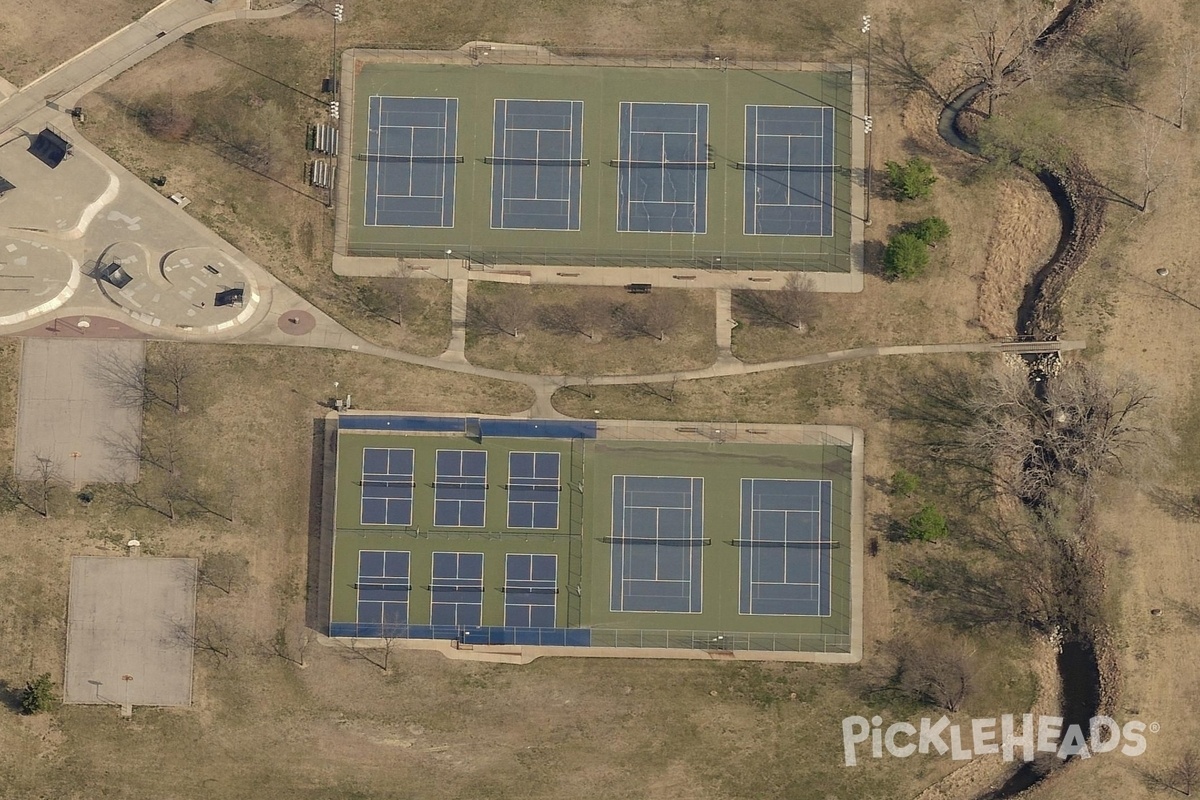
(10,696)
(317,594)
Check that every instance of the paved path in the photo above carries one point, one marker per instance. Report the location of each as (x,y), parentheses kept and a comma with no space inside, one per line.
(62,86)
(457,350)
(735,367)
(724,323)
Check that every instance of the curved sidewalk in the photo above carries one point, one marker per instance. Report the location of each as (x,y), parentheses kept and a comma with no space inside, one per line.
(61,87)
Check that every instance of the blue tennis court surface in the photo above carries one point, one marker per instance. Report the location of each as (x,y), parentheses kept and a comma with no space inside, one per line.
(786,547)
(533,490)
(657,538)
(387,486)
(537,164)
(662,178)
(383,588)
(457,589)
(530,590)
(460,488)
(411,161)
(789,170)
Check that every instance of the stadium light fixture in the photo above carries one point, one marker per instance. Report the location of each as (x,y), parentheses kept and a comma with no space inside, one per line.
(339,12)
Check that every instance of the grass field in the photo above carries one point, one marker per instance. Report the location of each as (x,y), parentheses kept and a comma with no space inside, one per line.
(605,347)
(39,41)
(725,95)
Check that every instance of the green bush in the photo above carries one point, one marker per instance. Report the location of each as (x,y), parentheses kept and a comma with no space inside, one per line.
(927,525)
(38,695)
(905,256)
(912,180)
(931,230)
(904,483)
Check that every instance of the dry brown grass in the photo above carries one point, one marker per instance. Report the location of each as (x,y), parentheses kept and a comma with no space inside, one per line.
(37,38)
(340,726)
(688,345)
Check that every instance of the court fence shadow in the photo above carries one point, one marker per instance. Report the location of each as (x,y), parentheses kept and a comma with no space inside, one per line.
(317,583)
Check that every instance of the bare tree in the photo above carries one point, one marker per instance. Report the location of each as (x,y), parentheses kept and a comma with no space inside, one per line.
(1004,436)
(899,66)
(161,377)
(1154,166)
(224,571)
(1115,59)
(123,379)
(388,640)
(1085,426)
(505,311)
(1000,52)
(206,636)
(46,474)
(1183,506)
(172,368)
(22,493)
(134,496)
(1183,64)
(583,317)
(1185,772)
(643,317)
(391,298)
(795,305)
(663,391)
(291,649)
(1182,775)
(937,669)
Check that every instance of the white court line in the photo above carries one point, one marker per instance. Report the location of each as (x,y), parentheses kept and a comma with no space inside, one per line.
(619,550)
(571,154)
(832,182)
(752,581)
(373,106)
(696,173)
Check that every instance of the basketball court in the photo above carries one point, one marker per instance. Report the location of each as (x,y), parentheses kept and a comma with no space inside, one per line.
(69,416)
(130,623)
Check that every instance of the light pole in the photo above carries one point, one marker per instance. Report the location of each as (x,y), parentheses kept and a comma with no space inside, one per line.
(866,28)
(448,254)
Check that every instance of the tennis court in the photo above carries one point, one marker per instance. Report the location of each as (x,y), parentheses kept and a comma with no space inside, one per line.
(411,161)
(789,166)
(657,543)
(662,168)
(786,544)
(600,165)
(537,164)
(543,532)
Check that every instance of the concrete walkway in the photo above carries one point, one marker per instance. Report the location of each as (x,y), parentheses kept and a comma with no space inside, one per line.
(457,349)
(61,87)
(725,324)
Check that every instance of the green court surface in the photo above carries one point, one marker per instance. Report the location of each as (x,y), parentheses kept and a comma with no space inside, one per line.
(602,89)
(697,597)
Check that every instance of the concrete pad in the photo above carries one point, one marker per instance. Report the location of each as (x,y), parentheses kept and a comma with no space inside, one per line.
(48,200)
(130,623)
(34,278)
(67,413)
